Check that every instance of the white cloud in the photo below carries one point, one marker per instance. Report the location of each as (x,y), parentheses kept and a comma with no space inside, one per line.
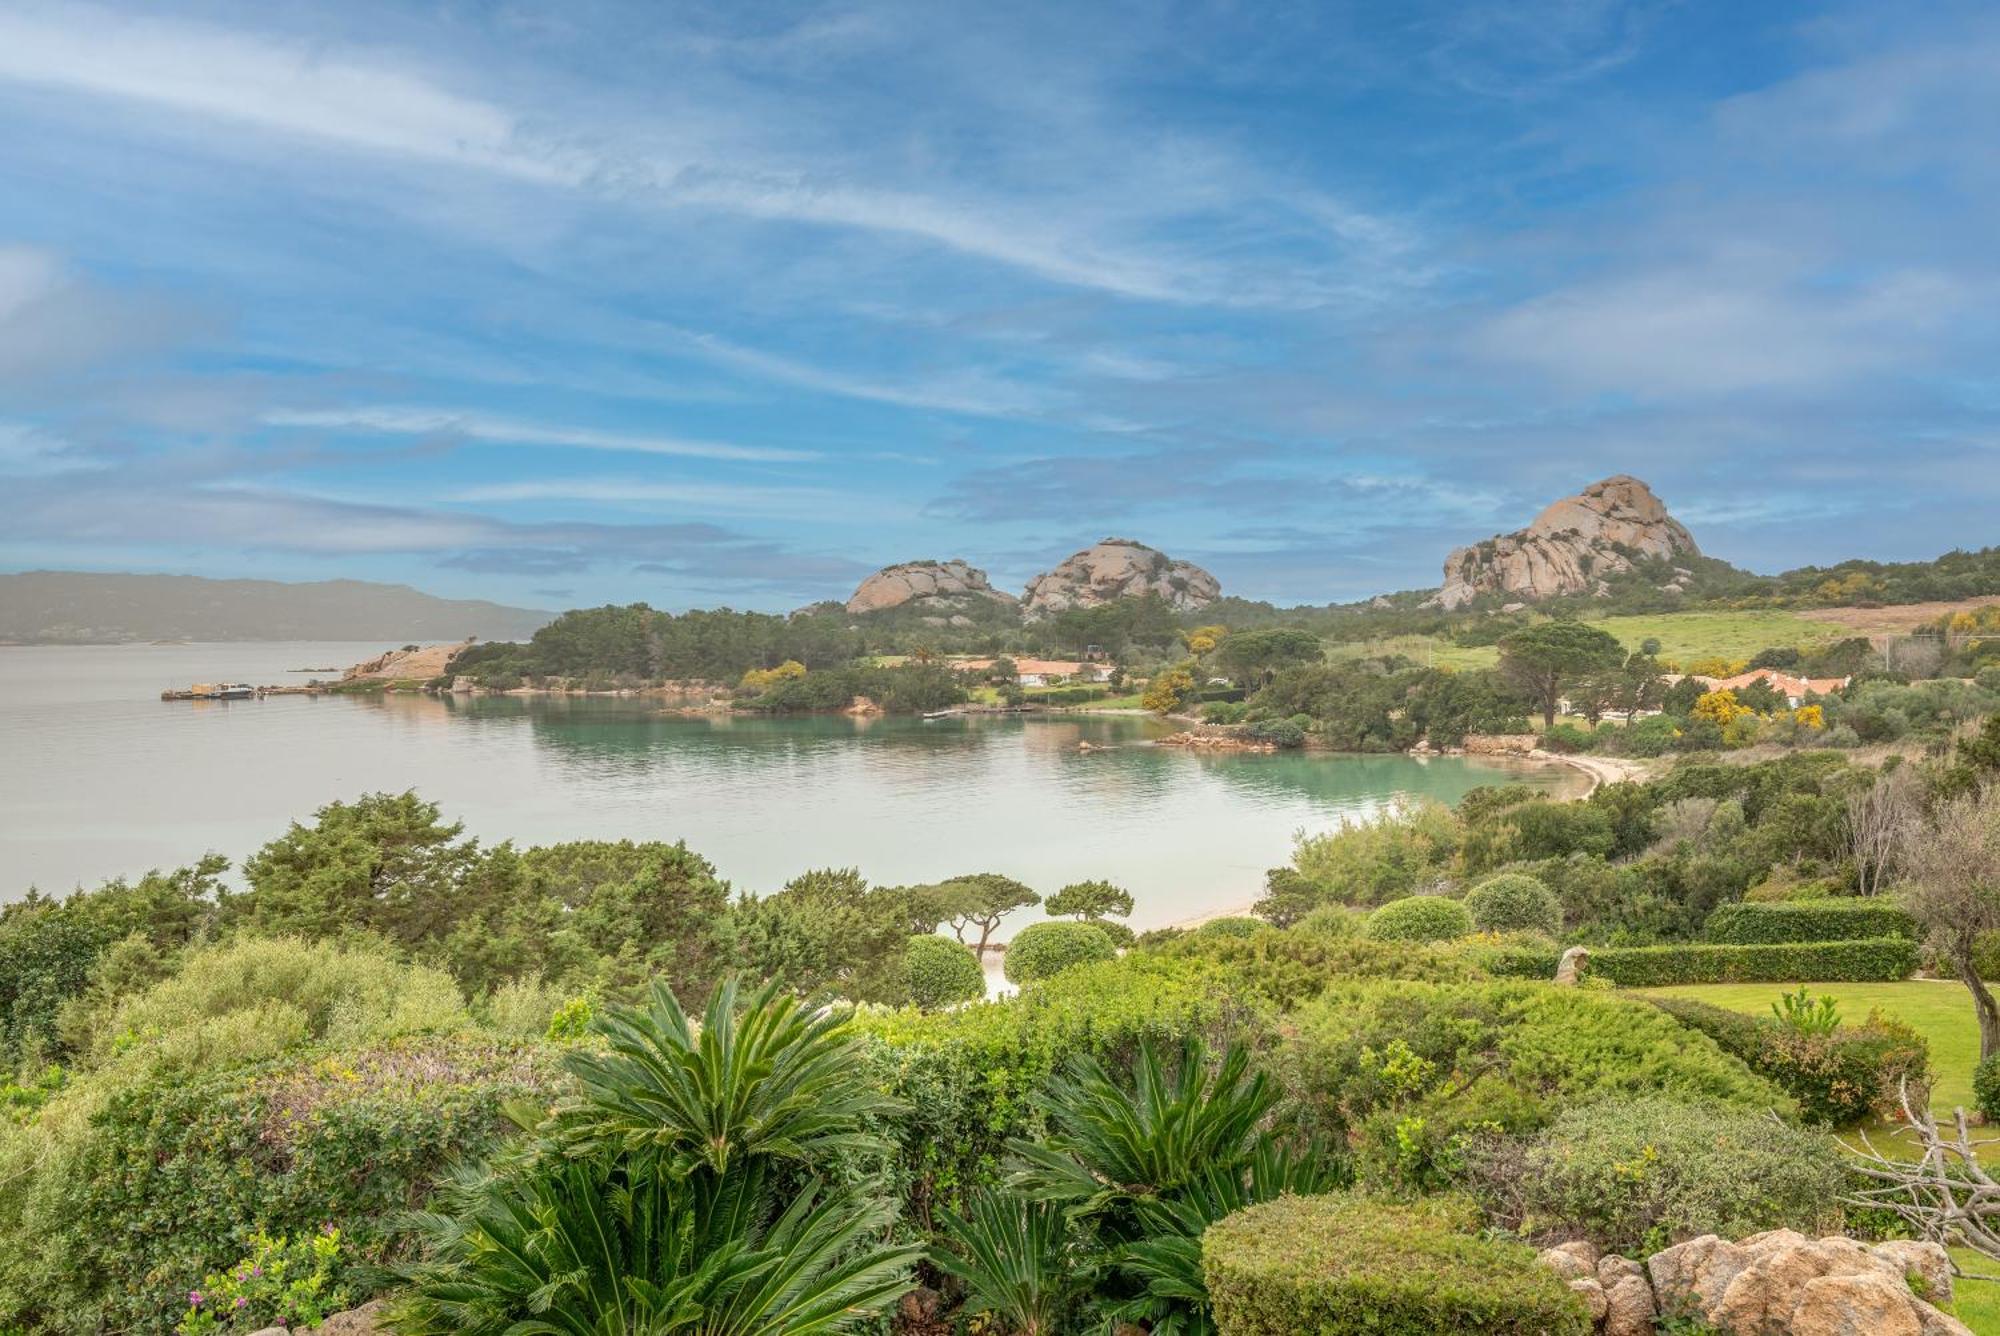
(491,430)
(279,86)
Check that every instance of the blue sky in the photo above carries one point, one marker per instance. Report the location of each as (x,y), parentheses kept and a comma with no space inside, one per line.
(732,303)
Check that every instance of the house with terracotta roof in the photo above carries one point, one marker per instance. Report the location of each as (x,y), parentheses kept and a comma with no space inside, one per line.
(1795,690)
(1041,672)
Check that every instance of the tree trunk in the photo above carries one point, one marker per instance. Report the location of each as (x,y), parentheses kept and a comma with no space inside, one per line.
(1983,1003)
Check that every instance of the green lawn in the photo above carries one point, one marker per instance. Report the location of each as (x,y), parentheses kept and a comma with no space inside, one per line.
(1977,1302)
(1683,636)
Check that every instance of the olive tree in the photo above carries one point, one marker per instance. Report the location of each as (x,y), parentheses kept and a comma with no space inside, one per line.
(1952,864)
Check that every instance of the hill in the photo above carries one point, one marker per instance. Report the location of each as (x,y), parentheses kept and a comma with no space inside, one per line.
(81,607)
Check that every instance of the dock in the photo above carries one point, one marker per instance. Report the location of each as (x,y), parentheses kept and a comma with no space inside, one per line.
(241,691)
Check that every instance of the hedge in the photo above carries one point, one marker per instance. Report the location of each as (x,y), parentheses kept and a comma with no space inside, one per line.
(1871,960)
(1809,921)
(1419,918)
(938,972)
(1354,1263)
(1042,950)
(1838,1078)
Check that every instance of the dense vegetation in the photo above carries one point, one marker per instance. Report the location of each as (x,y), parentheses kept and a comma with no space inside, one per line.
(389,1015)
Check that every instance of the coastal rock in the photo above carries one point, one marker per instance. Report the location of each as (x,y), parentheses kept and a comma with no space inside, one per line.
(1570,547)
(416,661)
(936,584)
(1120,568)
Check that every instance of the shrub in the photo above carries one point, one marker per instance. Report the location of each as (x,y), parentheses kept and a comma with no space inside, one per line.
(1879,959)
(1351,1263)
(1639,1173)
(1370,862)
(1231,926)
(1420,918)
(967,1075)
(282,1282)
(1407,1072)
(1042,950)
(1816,920)
(939,972)
(1568,739)
(1514,902)
(1986,1088)
(1282,733)
(172,1178)
(1838,1077)
(1285,968)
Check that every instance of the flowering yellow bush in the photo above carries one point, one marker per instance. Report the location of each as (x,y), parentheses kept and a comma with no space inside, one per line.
(1809,716)
(1720,707)
(762,679)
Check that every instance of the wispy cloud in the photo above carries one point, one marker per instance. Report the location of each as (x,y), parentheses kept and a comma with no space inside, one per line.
(490,430)
(639,492)
(355,101)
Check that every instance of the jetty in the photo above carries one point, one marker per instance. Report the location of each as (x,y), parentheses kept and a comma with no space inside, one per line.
(240,691)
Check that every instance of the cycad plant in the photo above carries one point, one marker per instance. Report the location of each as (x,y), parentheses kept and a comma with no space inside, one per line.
(1017,1260)
(1150,1165)
(678,1192)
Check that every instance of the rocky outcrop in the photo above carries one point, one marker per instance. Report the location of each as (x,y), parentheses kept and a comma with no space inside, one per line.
(934,584)
(1120,568)
(1569,549)
(1778,1283)
(415,661)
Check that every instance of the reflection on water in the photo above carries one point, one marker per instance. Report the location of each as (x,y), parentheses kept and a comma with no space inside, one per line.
(102,778)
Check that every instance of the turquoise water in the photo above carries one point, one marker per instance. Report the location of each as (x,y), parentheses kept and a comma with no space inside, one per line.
(102,778)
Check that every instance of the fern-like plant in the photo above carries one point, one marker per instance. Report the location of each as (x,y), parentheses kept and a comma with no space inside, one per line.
(677,1193)
(1148,1166)
(1017,1260)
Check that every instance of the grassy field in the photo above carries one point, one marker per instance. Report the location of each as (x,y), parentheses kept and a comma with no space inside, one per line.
(1940,1011)
(1683,636)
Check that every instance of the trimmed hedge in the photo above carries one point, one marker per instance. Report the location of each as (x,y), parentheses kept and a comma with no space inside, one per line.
(938,972)
(1782,921)
(1354,1263)
(1514,902)
(1419,918)
(1042,950)
(1871,960)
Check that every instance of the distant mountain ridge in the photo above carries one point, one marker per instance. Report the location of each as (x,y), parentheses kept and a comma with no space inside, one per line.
(85,607)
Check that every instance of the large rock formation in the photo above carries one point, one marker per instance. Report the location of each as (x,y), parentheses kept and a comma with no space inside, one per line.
(1120,568)
(1570,547)
(1778,1283)
(939,584)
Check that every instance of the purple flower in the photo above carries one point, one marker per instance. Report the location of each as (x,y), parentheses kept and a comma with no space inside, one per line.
(194,1297)
(240,1301)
